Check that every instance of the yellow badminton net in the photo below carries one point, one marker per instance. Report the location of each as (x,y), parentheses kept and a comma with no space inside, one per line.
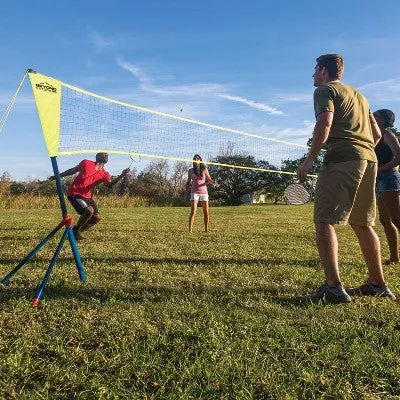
(75,121)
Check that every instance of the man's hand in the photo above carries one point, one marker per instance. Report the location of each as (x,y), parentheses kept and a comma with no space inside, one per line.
(303,169)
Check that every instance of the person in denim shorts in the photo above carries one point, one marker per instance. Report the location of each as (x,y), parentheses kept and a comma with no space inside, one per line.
(388,182)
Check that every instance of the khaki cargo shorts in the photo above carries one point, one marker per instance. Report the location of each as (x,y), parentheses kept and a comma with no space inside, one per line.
(345,191)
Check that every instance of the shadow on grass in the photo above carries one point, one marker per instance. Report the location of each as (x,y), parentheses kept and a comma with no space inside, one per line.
(13,229)
(138,293)
(215,262)
(233,297)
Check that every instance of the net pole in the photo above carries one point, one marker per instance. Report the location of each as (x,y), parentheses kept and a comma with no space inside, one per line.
(39,293)
(68,220)
(60,191)
(31,254)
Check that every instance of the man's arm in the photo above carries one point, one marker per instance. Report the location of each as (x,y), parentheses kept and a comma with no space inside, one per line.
(320,136)
(118,178)
(376,132)
(68,172)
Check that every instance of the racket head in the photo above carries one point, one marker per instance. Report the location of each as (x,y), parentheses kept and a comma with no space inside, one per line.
(296,194)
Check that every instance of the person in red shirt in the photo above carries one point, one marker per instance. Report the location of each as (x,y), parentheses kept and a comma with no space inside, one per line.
(79,192)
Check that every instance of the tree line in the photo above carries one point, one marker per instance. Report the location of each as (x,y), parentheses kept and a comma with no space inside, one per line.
(164,184)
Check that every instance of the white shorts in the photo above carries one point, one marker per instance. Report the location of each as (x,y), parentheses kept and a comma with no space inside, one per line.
(198,197)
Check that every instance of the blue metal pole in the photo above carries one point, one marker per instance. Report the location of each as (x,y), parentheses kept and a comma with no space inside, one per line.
(71,236)
(75,252)
(46,278)
(59,185)
(31,254)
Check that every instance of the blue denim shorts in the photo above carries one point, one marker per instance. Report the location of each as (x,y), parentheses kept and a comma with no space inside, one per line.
(388,181)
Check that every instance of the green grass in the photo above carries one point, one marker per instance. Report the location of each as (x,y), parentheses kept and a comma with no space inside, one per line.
(168,315)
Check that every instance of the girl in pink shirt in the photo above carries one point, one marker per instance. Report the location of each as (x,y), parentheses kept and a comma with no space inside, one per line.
(196,182)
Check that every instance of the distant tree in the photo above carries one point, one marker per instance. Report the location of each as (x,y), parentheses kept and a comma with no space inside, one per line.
(153,181)
(178,178)
(5,177)
(46,187)
(18,188)
(233,183)
(5,182)
(126,183)
(293,165)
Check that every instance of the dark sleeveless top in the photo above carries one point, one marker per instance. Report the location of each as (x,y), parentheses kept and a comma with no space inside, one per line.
(383,152)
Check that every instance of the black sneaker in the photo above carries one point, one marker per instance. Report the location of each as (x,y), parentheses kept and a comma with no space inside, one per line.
(77,234)
(368,289)
(329,294)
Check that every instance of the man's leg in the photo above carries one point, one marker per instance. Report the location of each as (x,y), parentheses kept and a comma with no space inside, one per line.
(371,250)
(90,217)
(327,245)
(84,218)
(92,221)
(332,291)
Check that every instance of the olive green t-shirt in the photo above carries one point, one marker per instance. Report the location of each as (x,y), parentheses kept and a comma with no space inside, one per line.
(350,137)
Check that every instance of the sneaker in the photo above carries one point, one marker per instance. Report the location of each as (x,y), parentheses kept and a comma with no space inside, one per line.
(391,262)
(368,289)
(77,234)
(329,294)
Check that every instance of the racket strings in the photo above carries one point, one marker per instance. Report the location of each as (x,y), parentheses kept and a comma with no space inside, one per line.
(296,193)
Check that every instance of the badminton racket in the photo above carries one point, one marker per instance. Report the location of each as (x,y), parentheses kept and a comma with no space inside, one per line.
(296,193)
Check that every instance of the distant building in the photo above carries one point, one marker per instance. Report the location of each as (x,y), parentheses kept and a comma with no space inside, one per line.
(257,197)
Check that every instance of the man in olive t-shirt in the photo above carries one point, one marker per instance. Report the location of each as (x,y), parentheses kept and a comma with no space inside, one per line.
(345,189)
(351,135)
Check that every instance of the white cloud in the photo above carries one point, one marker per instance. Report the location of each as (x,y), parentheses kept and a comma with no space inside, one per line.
(301,97)
(194,90)
(135,70)
(190,91)
(294,135)
(100,41)
(259,106)
(147,85)
(388,90)
(308,124)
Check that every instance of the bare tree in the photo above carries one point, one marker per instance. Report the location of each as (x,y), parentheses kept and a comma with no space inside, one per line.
(178,178)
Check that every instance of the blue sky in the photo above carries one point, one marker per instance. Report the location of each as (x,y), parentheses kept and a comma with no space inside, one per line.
(242,65)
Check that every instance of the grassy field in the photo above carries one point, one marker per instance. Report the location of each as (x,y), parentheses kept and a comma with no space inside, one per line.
(168,315)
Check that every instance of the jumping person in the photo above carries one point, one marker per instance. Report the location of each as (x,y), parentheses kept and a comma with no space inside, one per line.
(388,182)
(90,175)
(345,188)
(198,176)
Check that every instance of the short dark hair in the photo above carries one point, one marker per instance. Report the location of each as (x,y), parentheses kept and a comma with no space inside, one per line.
(333,63)
(101,157)
(388,117)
